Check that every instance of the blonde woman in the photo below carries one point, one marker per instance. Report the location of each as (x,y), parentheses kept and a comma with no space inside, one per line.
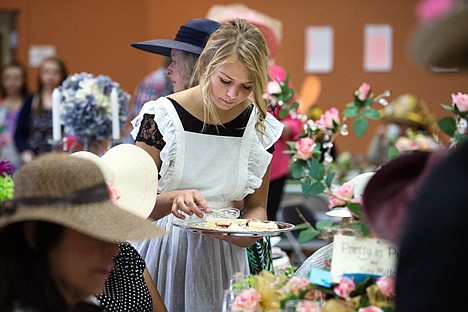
(212,146)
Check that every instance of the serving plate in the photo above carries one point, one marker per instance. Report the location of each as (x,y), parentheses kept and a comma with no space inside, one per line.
(202,227)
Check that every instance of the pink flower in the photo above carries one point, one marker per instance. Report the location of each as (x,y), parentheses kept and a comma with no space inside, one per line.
(113,193)
(247,300)
(430,10)
(342,195)
(308,306)
(370,309)
(386,285)
(295,285)
(305,148)
(273,87)
(345,287)
(363,92)
(461,100)
(328,118)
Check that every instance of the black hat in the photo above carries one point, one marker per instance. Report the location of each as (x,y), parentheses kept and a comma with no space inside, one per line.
(191,37)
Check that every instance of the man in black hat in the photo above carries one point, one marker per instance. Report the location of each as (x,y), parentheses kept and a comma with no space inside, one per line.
(432,268)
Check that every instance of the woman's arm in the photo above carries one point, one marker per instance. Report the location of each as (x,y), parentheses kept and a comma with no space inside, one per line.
(188,201)
(158,303)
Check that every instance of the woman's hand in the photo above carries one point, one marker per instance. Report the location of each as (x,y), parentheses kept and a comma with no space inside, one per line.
(190,202)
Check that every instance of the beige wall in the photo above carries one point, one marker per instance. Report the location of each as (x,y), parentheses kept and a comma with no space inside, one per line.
(94,36)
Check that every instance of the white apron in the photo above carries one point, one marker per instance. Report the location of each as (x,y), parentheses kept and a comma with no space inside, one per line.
(191,270)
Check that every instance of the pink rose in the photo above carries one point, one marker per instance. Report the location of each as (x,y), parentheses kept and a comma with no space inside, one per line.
(342,195)
(345,287)
(247,300)
(327,118)
(461,100)
(386,285)
(370,309)
(273,87)
(363,92)
(305,148)
(308,306)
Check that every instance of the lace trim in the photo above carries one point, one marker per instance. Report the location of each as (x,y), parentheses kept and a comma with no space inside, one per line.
(149,132)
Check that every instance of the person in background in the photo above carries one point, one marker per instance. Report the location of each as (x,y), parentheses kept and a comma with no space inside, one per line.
(13,92)
(153,86)
(34,127)
(432,266)
(182,53)
(131,175)
(212,146)
(59,236)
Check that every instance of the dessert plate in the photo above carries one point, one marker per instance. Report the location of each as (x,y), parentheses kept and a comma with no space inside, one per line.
(202,227)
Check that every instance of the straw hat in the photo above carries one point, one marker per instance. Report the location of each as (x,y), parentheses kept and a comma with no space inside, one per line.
(443,42)
(72,192)
(132,173)
(191,37)
(410,110)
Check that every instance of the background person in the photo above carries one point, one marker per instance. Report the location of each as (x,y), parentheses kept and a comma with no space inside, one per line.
(220,142)
(432,263)
(132,176)
(34,127)
(59,237)
(13,92)
(182,54)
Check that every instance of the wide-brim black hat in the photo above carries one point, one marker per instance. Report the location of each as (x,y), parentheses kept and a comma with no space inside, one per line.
(191,37)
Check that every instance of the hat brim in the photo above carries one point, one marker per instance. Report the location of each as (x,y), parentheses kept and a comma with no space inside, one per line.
(164,47)
(101,220)
(391,191)
(132,172)
(444,42)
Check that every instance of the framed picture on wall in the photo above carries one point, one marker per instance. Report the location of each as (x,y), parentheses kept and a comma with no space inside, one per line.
(378,48)
(318,49)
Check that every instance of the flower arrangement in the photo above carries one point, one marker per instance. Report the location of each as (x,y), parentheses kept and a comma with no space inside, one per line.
(86,105)
(267,292)
(412,141)
(456,126)
(312,158)
(6,182)
(312,161)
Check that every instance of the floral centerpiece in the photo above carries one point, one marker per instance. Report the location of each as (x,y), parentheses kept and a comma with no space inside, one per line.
(86,106)
(270,293)
(6,185)
(456,126)
(312,161)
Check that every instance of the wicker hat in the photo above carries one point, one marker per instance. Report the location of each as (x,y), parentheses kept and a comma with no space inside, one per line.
(72,192)
(131,173)
(410,110)
(191,37)
(443,42)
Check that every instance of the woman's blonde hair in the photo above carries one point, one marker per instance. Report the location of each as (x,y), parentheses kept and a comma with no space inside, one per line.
(236,40)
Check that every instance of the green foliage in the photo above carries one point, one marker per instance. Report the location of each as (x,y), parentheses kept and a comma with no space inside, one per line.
(448,125)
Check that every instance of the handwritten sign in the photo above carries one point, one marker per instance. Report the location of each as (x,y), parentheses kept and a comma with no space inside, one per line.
(362,255)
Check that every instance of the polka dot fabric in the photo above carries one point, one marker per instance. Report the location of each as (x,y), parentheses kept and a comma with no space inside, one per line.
(125,289)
